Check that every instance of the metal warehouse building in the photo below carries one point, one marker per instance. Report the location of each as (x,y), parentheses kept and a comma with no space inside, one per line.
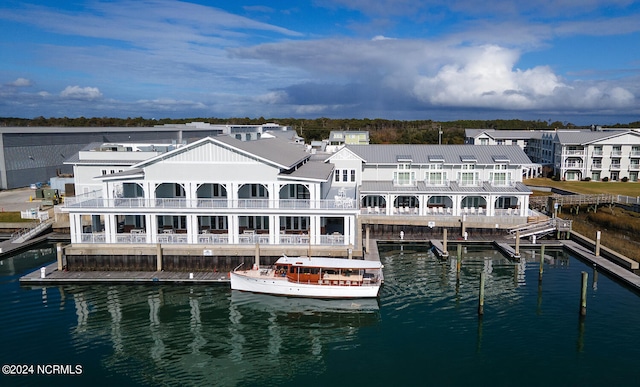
(35,154)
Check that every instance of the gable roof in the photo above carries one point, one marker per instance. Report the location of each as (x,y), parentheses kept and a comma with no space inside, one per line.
(273,151)
(452,154)
(589,136)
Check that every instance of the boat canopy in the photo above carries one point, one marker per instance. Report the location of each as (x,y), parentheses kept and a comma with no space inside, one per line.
(329,263)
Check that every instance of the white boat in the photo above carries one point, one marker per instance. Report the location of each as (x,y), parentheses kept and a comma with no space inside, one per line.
(312,277)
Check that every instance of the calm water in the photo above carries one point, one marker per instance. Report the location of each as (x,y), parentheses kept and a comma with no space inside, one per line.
(424,330)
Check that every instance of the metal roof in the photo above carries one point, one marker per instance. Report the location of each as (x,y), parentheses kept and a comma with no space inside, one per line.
(275,149)
(523,134)
(314,170)
(422,154)
(588,136)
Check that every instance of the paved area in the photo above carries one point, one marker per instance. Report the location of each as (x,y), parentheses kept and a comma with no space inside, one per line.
(18,199)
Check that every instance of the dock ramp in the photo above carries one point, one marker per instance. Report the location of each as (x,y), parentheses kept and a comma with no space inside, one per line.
(540,229)
(31,232)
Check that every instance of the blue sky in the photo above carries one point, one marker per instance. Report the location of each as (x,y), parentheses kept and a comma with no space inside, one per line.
(566,60)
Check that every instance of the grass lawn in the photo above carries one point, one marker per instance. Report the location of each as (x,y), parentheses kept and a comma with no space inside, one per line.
(12,217)
(589,187)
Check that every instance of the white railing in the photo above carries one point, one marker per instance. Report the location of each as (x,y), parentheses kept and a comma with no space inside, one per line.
(211,239)
(628,199)
(573,152)
(172,203)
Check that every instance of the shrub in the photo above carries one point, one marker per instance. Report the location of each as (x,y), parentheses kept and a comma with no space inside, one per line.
(605,179)
(586,179)
(556,178)
(624,179)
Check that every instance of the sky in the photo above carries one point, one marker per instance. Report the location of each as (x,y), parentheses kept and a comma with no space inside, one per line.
(443,60)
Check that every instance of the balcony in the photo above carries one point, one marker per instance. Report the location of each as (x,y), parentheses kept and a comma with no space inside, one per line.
(634,167)
(573,152)
(614,167)
(573,165)
(181,203)
(616,153)
(596,166)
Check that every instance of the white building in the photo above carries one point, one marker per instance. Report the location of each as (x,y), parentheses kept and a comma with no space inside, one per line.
(598,155)
(223,191)
(611,154)
(217,190)
(435,180)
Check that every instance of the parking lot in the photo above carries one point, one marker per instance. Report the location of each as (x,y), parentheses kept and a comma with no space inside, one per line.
(18,199)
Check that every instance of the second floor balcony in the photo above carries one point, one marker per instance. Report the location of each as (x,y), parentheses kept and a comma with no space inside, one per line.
(182,203)
(573,164)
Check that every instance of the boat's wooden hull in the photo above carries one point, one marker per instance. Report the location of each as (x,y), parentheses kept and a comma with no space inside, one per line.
(283,287)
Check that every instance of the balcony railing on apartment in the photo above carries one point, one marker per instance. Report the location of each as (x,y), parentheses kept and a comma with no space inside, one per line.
(573,152)
(596,166)
(634,167)
(211,239)
(614,166)
(616,153)
(95,202)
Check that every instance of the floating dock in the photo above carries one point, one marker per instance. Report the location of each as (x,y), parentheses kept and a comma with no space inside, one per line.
(54,276)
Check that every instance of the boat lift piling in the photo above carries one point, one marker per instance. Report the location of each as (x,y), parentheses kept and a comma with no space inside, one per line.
(541,263)
(583,294)
(481,294)
(459,258)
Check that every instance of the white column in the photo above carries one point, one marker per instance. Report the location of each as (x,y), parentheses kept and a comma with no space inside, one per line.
(151,221)
(457,200)
(314,229)
(233,229)
(352,230)
(150,193)
(389,199)
(110,228)
(491,205)
(191,192)
(524,205)
(274,226)
(75,228)
(192,228)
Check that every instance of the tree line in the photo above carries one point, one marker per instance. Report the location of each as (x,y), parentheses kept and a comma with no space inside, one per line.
(381,131)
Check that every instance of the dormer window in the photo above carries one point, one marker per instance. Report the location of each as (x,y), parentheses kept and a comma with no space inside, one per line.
(404,175)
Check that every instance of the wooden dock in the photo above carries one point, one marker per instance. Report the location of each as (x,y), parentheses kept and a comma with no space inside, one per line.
(625,276)
(54,276)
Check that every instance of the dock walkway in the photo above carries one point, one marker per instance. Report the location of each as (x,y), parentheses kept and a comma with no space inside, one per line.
(604,264)
(54,276)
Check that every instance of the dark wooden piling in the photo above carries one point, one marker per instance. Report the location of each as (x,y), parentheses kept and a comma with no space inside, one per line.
(583,294)
(481,295)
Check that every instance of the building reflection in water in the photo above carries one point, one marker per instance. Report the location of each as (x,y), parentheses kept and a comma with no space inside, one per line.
(210,335)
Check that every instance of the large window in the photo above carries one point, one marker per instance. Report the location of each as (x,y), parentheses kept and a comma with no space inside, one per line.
(468,178)
(404,175)
(436,178)
(500,178)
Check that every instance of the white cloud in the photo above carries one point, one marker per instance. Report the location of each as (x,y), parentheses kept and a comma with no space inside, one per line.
(21,82)
(81,93)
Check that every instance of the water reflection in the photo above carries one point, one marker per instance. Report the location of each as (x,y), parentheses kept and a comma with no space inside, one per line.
(214,336)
